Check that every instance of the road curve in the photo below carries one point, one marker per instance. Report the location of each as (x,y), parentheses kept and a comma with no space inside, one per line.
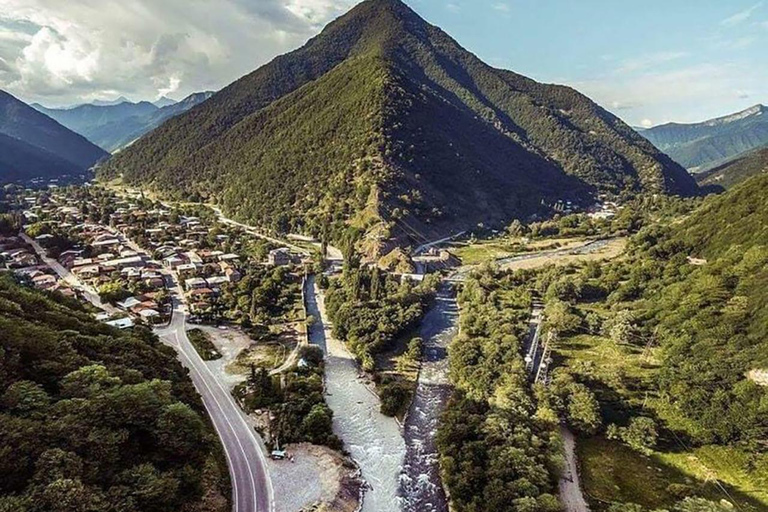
(251,487)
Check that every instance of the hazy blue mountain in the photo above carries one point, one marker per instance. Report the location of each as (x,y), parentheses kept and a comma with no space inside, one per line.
(116,125)
(20,121)
(165,101)
(702,146)
(109,103)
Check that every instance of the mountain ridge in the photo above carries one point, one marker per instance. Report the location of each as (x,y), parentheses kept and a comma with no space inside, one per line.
(707,144)
(394,123)
(114,125)
(20,121)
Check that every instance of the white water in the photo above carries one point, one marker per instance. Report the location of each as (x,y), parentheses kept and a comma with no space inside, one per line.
(374,440)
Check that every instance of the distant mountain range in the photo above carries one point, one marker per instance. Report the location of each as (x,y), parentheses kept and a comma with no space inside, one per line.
(114,125)
(702,146)
(385,124)
(734,172)
(34,145)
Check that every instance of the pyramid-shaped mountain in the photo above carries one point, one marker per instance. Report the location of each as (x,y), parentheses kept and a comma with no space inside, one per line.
(385,124)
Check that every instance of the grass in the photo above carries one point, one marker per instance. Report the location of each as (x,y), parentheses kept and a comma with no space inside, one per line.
(203,344)
(611,472)
(621,377)
(475,253)
(267,354)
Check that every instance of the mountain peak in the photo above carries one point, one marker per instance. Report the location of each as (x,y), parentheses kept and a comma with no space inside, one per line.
(755,110)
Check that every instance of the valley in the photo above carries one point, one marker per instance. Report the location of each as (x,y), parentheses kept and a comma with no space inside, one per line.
(377,270)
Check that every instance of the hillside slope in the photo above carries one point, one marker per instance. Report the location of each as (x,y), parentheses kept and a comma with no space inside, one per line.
(386,122)
(112,127)
(734,172)
(94,419)
(702,146)
(20,161)
(20,121)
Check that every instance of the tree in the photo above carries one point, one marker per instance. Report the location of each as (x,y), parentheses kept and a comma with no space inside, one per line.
(318,424)
(583,410)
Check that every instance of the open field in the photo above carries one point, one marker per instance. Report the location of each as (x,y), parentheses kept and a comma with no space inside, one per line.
(490,250)
(611,471)
(267,354)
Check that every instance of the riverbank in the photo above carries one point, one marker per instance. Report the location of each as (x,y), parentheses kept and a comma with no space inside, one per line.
(373,440)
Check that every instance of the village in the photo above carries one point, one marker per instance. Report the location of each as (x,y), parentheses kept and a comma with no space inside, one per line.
(118,254)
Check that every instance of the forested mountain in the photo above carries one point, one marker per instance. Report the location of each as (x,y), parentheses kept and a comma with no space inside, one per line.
(95,419)
(114,126)
(702,146)
(386,121)
(20,121)
(20,161)
(734,172)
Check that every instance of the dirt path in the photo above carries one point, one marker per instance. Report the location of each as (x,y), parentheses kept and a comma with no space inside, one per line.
(570,487)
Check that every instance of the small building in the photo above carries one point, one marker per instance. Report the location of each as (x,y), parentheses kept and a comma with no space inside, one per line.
(195,283)
(122,323)
(279,257)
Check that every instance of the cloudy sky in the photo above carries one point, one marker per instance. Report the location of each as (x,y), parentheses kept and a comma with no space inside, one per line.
(649,62)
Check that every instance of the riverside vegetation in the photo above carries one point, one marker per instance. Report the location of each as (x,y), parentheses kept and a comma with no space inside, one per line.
(653,362)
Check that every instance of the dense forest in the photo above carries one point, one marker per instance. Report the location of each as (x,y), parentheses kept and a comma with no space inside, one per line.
(498,443)
(370,308)
(93,419)
(385,121)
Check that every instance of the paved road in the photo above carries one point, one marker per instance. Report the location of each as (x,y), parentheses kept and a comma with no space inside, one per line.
(68,277)
(251,487)
(420,482)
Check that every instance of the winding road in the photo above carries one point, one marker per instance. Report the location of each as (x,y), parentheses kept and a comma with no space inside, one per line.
(251,487)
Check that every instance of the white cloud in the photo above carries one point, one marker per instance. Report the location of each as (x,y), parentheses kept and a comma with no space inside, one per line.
(61,52)
(685,94)
(646,123)
(648,61)
(502,7)
(741,17)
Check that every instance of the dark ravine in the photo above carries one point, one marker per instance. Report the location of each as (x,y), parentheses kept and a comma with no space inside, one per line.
(420,483)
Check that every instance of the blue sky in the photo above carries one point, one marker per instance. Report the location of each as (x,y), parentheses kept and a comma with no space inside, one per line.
(649,61)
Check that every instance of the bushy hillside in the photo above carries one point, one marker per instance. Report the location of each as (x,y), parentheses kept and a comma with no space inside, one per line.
(386,122)
(702,146)
(20,161)
(20,121)
(94,419)
(731,174)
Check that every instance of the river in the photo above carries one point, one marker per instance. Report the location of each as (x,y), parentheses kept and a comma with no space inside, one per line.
(373,440)
(420,483)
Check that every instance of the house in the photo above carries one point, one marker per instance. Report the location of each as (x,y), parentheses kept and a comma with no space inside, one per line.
(44,281)
(173,261)
(87,271)
(216,282)
(196,283)
(188,270)
(129,303)
(122,323)
(279,257)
